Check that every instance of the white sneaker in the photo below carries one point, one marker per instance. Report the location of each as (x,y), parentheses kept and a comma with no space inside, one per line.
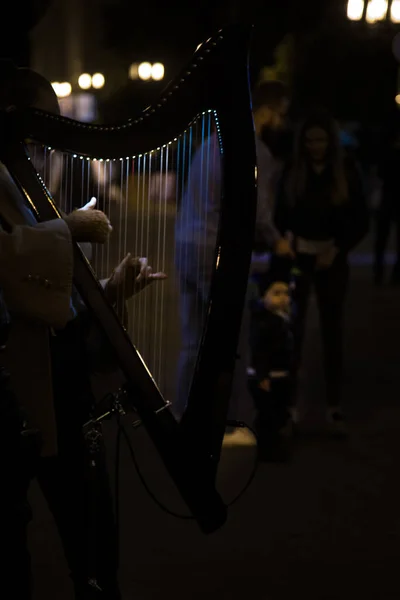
(241,436)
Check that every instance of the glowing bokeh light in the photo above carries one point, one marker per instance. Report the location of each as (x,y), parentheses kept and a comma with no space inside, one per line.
(157,71)
(98,80)
(395,11)
(355,10)
(62,89)
(84,81)
(144,71)
(376,11)
(134,71)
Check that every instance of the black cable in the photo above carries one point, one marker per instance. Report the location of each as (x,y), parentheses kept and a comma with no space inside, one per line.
(143,481)
(152,495)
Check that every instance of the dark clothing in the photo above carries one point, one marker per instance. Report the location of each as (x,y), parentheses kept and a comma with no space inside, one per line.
(65,484)
(272,415)
(330,288)
(388,213)
(388,171)
(271,342)
(271,346)
(315,217)
(4,321)
(18,460)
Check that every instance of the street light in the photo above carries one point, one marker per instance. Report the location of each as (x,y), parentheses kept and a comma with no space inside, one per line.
(395,11)
(84,81)
(376,11)
(355,10)
(144,71)
(62,89)
(157,71)
(98,81)
(373,11)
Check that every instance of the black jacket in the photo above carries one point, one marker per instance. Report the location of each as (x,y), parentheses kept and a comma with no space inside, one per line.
(271,342)
(314,217)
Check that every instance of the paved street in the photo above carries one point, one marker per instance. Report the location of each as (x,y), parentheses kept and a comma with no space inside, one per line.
(325,527)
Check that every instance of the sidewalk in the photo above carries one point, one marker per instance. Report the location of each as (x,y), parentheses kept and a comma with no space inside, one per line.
(325,527)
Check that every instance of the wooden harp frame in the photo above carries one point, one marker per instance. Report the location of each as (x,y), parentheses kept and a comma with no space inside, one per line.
(216,80)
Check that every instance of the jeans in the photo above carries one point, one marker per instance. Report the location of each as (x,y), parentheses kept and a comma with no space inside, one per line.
(272,410)
(330,288)
(387,215)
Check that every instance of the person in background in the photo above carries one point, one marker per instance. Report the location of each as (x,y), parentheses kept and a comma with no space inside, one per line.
(388,210)
(271,359)
(321,202)
(195,240)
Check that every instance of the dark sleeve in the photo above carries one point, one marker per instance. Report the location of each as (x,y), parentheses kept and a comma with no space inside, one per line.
(262,346)
(282,213)
(354,223)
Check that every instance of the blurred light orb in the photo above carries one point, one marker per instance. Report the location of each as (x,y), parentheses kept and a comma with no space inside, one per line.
(98,81)
(134,71)
(157,71)
(62,89)
(395,11)
(376,11)
(145,71)
(397,99)
(84,81)
(355,10)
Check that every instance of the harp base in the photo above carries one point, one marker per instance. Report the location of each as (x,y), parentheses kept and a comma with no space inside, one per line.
(93,438)
(93,435)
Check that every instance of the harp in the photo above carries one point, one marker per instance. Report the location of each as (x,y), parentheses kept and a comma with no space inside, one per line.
(201,126)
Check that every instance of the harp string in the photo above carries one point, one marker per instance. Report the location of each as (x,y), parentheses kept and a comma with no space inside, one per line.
(137,170)
(157,308)
(107,183)
(142,197)
(148,220)
(187,265)
(125,195)
(203,196)
(164,216)
(207,178)
(96,166)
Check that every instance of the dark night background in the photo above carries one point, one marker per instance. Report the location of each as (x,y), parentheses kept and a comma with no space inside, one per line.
(346,66)
(327,526)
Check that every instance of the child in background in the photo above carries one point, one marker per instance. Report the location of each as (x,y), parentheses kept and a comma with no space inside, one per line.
(271,353)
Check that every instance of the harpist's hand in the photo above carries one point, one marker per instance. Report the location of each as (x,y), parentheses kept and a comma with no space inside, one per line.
(89,225)
(326,259)
(130,277)
(265,385)
(89,205)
